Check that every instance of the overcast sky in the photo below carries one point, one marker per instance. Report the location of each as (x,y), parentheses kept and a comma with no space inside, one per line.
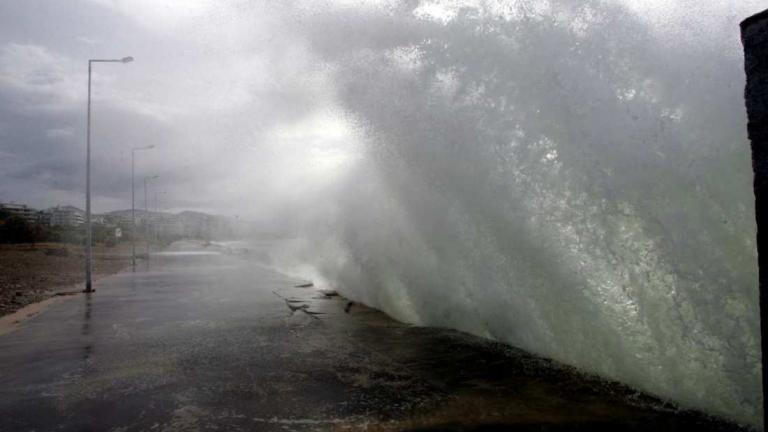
(230,99)
(234,95)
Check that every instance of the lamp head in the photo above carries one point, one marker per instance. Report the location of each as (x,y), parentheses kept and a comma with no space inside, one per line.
(127,59)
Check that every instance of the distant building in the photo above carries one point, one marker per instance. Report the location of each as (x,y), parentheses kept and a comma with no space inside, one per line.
(21,210)
(125,218)
(67,216)
(114,220)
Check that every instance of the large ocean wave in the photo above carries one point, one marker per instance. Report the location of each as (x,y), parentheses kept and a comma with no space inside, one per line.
(561,176)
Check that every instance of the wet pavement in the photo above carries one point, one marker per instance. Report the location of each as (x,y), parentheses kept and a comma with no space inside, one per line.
(213,341)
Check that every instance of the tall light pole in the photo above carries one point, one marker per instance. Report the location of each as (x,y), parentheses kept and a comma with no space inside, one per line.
(88,227)
(146,209)
(133,203)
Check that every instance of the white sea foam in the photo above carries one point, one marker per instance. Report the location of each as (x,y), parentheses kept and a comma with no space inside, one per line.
(572,178)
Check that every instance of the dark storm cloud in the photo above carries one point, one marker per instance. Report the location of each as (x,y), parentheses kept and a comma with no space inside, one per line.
(44,46)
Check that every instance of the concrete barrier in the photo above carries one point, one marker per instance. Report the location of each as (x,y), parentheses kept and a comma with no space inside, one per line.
(754,37)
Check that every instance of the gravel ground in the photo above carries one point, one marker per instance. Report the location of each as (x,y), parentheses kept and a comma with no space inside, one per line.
(31,273)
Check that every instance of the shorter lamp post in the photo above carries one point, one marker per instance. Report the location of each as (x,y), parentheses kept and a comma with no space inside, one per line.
(146,211)
(133,203)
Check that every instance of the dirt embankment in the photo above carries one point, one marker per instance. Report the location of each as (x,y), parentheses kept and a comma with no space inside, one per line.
(31,273)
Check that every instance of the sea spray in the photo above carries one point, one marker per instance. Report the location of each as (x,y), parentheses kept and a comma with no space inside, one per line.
(559,176)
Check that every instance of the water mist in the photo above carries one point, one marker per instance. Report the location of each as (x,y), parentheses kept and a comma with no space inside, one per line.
(558,176)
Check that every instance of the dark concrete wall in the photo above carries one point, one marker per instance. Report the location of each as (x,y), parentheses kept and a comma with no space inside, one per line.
(754,36)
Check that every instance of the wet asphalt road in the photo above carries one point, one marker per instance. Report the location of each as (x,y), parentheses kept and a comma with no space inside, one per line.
(212,341)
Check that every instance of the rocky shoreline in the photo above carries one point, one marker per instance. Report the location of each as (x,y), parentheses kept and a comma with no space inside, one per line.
(34,272)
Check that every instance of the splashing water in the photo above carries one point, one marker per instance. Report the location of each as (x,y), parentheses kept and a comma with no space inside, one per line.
(560,176)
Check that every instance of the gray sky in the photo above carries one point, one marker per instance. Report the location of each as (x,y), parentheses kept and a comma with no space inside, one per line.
(233,102)
(238,96)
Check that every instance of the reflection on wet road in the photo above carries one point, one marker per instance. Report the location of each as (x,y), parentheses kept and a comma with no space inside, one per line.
(208,341)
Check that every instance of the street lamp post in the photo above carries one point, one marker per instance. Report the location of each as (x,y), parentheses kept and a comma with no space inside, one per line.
(88,227)
(133,203)
(146,210)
